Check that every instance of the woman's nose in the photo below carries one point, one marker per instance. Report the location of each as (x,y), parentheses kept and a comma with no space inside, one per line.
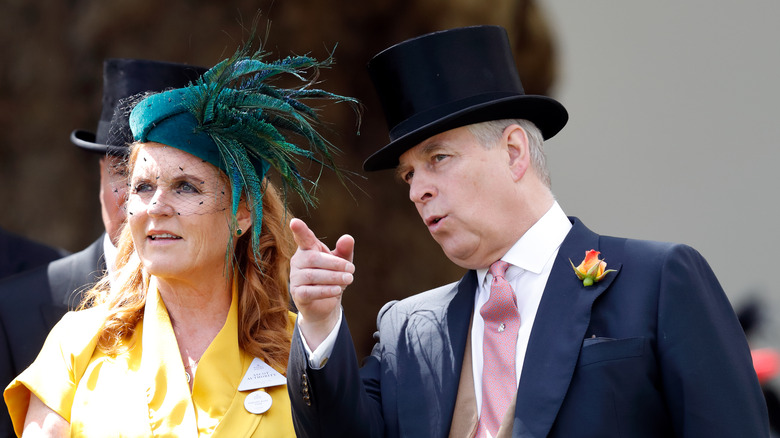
(159,205)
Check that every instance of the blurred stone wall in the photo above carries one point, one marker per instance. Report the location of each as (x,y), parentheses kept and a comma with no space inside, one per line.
(50,84)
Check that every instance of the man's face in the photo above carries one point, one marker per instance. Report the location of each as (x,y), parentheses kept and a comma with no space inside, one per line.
(113,194)
(459,188)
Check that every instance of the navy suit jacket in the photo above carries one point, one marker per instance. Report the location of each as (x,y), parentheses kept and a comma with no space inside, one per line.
(669,358)
(32,302)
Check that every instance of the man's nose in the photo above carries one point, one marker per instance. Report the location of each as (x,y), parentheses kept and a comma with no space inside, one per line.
(421,189)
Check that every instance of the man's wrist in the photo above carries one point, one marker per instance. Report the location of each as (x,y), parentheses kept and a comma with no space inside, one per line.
(319,354)
(315,332)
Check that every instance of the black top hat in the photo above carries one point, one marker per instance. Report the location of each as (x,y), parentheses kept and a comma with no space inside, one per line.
(124,78)
(444,80)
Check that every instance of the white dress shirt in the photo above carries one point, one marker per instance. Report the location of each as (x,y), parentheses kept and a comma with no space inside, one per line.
(531,259)
(109,253)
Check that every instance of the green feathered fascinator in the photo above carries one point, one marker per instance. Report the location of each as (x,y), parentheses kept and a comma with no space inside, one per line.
(233,118)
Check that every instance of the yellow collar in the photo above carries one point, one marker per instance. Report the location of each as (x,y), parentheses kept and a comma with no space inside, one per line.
(215,398)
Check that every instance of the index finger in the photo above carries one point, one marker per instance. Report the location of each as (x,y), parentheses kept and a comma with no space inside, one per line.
(304,237)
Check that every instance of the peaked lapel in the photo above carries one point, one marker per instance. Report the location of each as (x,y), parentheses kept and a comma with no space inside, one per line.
(557,335)
(430,362)
(68,278)
(458,323)
(71,276)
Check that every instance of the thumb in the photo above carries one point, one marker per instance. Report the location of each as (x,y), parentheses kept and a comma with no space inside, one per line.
(345,247)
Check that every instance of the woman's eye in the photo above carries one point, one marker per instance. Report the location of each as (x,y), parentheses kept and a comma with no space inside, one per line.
(142,187)
(186,187)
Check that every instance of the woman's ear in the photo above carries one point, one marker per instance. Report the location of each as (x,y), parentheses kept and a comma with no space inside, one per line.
(243,217)
(516,141)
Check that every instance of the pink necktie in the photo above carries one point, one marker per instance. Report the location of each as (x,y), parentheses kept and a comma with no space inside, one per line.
(499,346)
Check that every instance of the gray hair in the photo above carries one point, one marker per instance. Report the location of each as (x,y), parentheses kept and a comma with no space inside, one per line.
(488,134)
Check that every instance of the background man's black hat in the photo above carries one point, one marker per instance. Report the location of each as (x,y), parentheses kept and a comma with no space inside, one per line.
(444,80)
(124,78)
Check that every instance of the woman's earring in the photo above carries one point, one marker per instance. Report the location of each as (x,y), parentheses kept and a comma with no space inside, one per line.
(238,232)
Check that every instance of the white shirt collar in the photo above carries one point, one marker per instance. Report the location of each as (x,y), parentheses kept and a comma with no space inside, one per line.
(109,252)
(537,245)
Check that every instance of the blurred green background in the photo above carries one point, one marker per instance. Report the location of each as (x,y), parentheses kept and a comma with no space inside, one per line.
(672,136)
(50,84)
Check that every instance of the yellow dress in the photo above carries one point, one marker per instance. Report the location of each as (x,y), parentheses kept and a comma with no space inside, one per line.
(144,392)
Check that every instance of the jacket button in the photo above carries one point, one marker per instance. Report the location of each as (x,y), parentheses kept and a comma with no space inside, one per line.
(305,389)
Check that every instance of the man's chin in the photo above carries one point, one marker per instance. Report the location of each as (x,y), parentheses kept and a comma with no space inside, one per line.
(464,259)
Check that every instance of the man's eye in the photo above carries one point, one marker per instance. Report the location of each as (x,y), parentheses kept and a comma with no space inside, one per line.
(119,171)
(408,176)
(439,157)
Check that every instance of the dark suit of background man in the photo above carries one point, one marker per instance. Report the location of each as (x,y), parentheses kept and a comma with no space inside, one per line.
(18,254)
(652,349)
(31,303)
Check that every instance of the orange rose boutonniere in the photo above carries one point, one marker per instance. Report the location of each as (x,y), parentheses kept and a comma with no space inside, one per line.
(591,270)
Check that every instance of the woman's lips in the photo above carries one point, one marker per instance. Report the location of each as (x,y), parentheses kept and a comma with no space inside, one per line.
(163,236)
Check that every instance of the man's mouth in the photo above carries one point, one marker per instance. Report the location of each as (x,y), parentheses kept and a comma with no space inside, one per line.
(434,220)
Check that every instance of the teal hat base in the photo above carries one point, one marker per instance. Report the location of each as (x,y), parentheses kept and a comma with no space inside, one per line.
(164,118)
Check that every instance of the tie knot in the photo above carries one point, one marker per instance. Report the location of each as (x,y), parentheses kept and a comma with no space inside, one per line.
(498,269)
(502,302)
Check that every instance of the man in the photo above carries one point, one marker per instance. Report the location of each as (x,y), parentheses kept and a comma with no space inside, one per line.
(639,341)
(31,303)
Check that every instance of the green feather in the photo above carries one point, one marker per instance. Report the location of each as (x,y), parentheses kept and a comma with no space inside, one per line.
(257,125)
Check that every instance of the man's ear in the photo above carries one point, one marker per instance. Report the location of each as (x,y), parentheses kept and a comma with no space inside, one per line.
(516,140)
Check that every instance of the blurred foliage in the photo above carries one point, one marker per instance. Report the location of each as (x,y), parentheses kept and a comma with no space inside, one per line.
(50,84)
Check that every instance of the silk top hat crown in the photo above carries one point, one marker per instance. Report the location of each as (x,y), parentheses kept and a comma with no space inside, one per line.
(444,80)
(124,78)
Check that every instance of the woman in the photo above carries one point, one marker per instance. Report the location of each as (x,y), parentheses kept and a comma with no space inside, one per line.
(191,336)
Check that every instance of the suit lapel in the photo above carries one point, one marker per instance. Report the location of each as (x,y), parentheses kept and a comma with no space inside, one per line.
(431,358)
(458,322)
(557,335)
(71,276)
(67,279)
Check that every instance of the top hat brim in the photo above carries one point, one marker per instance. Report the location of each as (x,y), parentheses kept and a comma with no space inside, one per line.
(86,141)
(122,79)
(546,113)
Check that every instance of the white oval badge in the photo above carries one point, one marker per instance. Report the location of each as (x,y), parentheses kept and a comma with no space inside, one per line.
(258,402)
